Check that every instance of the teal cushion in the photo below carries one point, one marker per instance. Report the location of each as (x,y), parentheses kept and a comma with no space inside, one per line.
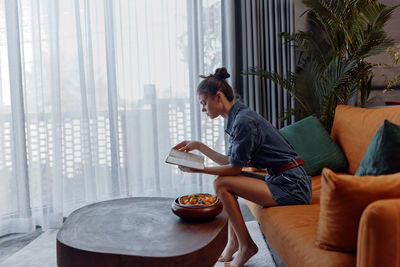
(313,144)
(383,153)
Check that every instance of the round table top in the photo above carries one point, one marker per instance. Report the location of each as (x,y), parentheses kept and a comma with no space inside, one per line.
(144,227)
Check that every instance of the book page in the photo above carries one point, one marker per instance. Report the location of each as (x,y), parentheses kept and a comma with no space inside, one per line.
(186,159)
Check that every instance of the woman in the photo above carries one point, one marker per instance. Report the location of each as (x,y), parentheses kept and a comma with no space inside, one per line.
(253,142)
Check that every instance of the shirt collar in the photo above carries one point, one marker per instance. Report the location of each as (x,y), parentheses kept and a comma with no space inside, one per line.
(231,117)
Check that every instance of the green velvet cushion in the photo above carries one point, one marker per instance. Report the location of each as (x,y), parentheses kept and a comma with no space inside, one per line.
(313,144)
(383,153)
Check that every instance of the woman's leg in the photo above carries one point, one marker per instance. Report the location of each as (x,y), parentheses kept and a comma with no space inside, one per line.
(232,246)
(252,189)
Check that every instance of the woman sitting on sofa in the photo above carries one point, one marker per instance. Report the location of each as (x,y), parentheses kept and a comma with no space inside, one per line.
(253,142)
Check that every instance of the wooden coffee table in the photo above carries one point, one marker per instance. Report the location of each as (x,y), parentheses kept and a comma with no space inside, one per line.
(138,232)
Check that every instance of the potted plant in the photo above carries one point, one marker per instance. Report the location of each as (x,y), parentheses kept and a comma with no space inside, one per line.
(333,66)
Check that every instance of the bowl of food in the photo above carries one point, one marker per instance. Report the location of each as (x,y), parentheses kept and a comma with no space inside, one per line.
(197,207)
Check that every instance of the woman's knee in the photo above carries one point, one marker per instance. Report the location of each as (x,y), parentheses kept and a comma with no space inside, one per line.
(220,183)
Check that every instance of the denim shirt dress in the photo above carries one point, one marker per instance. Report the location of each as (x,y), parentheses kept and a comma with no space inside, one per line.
(254,142)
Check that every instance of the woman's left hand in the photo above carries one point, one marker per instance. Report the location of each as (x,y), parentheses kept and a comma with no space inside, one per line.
(187,146)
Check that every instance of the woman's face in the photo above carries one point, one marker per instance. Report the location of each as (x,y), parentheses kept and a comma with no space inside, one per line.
(209,105)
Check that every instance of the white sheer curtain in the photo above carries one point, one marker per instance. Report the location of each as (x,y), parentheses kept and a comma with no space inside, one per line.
(92,96)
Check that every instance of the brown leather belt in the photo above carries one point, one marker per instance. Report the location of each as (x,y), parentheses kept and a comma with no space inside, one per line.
(288,165)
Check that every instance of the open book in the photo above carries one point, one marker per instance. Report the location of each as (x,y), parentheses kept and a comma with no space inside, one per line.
(186,159)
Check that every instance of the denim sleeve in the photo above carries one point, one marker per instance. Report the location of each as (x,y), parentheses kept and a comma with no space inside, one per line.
(245,139)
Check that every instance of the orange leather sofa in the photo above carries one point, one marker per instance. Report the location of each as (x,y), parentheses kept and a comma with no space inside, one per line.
(292,230)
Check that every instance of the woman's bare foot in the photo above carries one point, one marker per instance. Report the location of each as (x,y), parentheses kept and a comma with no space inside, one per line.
(243,255)
(229,251)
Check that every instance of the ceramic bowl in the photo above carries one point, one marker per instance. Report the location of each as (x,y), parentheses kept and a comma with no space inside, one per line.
(196,212)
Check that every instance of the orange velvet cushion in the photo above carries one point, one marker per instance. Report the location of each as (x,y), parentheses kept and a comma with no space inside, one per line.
(343,199)
(353,129)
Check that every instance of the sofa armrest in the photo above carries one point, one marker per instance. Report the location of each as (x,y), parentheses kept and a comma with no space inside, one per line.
(379,234)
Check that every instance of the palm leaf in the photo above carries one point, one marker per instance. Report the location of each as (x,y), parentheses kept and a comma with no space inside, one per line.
(313,45)
(287,83)
(378,14)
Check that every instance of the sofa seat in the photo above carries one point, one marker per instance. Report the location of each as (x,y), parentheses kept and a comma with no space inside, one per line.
(292,231)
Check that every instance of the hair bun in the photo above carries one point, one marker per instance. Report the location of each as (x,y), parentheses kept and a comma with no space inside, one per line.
(221,73)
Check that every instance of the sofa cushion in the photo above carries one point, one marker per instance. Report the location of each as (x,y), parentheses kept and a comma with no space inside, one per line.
(353,129)
(383,153)
(343,199)
(291,231)
(316,189)
(313,144)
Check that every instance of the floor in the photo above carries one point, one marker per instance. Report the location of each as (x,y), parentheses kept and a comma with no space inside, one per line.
(11,244)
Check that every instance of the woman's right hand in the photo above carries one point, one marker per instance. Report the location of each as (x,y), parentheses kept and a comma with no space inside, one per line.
(187,146)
